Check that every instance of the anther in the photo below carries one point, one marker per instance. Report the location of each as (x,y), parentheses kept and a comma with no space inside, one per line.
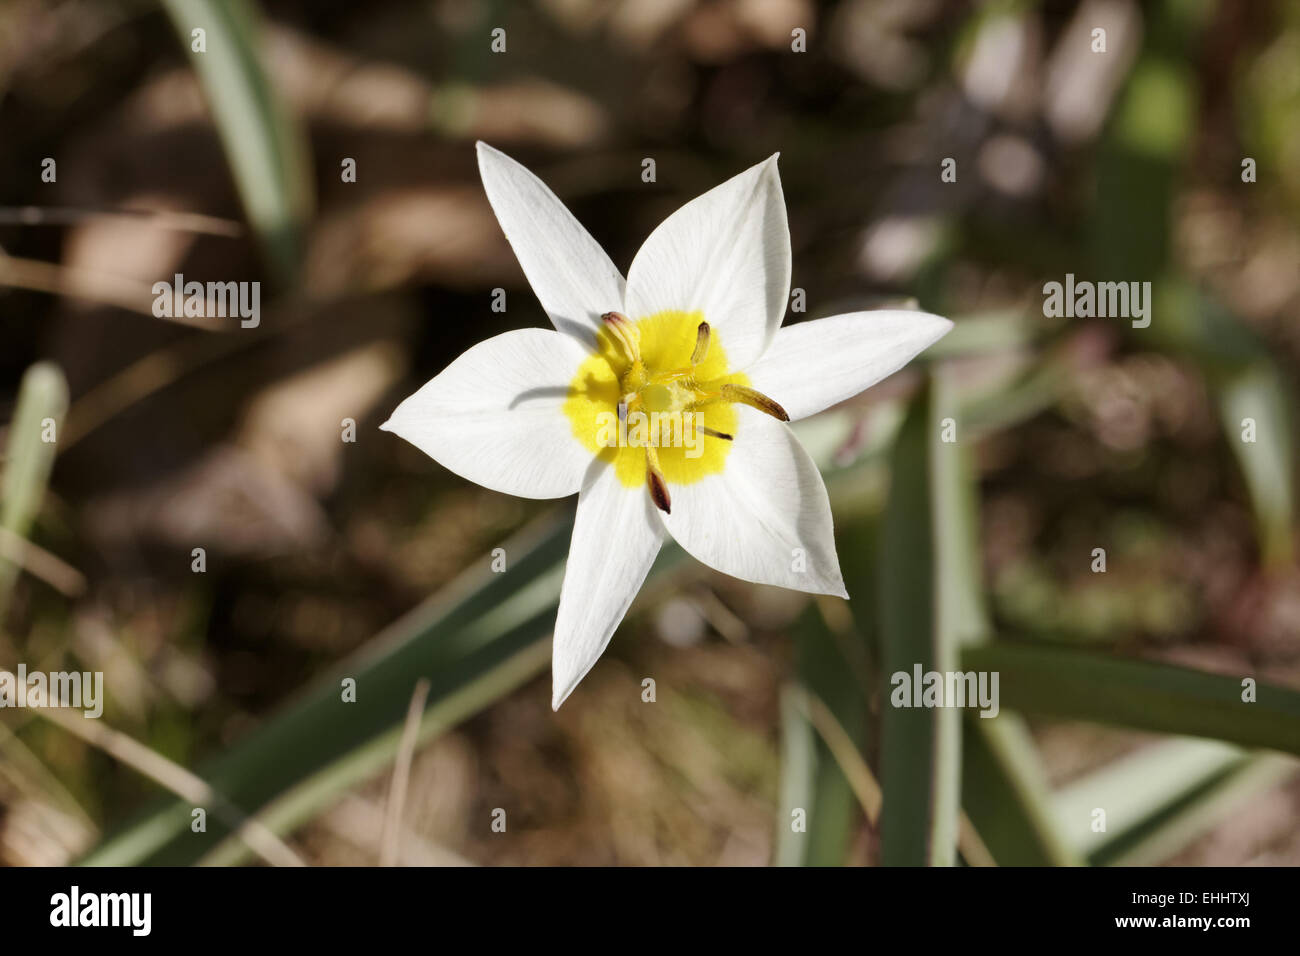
(655,481)
(701,344)
(754,399)
(706,430)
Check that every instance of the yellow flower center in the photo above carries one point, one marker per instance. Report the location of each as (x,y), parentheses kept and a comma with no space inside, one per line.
(656,400)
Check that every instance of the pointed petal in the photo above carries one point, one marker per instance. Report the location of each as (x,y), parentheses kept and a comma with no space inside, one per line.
(765,518)
(726,254)
(495,415)
(814,365)
(570,273)
(615,539)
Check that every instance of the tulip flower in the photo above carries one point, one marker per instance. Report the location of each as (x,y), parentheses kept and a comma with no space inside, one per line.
(662,400)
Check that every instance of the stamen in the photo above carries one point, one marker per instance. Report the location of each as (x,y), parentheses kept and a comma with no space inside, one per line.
(673,391)
(754,399)
(624,333)
(701,344)
(655,480)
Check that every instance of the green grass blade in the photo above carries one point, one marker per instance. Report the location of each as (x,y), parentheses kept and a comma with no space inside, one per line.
(454,640)
(1060,682)
(920,755)
(306,799)
(1161,798)
(798,781)
(1005,793)
(266,149)
(830,668)
(954,500)
(1256,410)
(1198,812)
(29,457)
(987,333)
(1004,788)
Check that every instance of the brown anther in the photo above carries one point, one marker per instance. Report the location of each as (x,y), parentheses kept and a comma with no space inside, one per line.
(706,430)
(659,492)
(654,479)
(754,399)
(701,344)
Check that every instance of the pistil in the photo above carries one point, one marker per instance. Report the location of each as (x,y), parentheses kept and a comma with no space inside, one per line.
(685,393)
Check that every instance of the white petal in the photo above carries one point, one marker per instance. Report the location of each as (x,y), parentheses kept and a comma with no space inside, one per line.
(570,273)
(766,517)
(495,415)
(814,365)
(726,254)
(615,539)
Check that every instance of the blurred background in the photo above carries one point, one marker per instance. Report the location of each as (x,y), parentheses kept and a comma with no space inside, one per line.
(331,553)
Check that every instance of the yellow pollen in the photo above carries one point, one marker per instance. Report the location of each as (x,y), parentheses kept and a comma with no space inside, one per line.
(656,400)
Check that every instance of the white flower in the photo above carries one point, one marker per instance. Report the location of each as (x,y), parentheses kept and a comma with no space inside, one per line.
(694,334)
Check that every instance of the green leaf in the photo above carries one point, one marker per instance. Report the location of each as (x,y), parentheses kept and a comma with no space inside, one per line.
(1004,786)
(988,333)
(266,149)
(1258,394)
(1029,393)
(29,457)
(1160,798)
(798,780)
(1247,383)
(1005,793)
(954,499)
(830,668)
(1060,682)
(1141,151)
(305,799)
(920,759)
(458,640)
